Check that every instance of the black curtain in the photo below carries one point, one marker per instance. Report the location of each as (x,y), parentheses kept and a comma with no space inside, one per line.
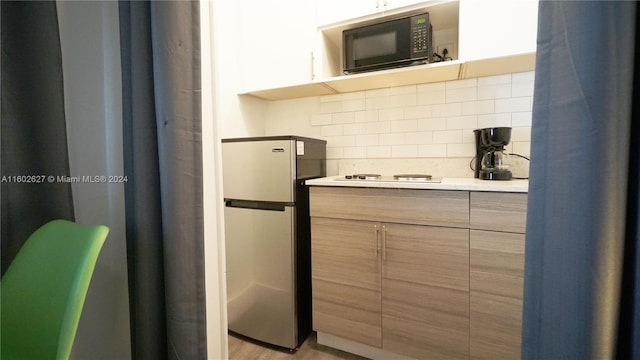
(582,265)
(160,43)
(33,131)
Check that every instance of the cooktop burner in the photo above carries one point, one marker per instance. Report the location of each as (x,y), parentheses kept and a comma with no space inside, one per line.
(412,177)
(363,177)
(394,178)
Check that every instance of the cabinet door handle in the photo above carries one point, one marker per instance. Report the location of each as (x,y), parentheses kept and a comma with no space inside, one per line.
(313,75)
(375,234)
(384,242)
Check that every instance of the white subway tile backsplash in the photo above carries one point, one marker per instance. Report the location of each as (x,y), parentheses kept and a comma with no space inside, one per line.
(331,98)
(462,122)
(461,94)
(523,76)
(391,114)
(378,151)
(468,137)
(376,93)
(418,138)
(366,116)
(403,90)
(494,80)
(494,120)
(461,150)
(380,127)
(499,91)
(320,119)
(457,84)
(433,150)
(447,137)
(392,139)
(335,153)
(521,119)
(367,140)
(377,103)
(439,86)
(404,126)
(454,109)
(478,107)
(354,129)
(331,130)
(354,105)
(431,97)
(330,107)
(426,123)
(343,118)
(356,95)
(521,134)
(522,89)
(417,112)
(513,104)
(522,147)
(355,152)
(340,141)
(402,100)
(439,123)
(404,151)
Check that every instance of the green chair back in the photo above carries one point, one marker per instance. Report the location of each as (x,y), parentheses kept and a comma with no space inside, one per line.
(43,290)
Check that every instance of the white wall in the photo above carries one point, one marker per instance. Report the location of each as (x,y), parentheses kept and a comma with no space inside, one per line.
(92,81)
(215,275)
(424,128)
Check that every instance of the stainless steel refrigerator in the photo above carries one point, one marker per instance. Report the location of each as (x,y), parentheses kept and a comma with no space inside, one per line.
(267,231)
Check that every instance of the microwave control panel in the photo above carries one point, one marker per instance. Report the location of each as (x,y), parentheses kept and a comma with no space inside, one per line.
(421,36)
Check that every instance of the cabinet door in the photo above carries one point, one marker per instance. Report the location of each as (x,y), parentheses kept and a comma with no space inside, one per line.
(270,53)
(498,211)
(497,266)
(495,28)
(345,269)
(425,288)
(333,11)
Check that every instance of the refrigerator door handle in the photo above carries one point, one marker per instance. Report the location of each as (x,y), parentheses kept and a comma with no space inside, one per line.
(257,205)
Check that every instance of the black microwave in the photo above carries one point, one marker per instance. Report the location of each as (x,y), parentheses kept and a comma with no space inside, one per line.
(394,43)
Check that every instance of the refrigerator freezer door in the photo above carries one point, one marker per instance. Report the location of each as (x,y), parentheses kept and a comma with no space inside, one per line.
(260,274)
(259,170)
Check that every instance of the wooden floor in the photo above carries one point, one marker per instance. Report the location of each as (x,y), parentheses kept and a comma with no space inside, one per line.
(243,349)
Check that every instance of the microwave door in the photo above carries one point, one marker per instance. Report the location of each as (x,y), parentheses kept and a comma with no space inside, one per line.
(376,45)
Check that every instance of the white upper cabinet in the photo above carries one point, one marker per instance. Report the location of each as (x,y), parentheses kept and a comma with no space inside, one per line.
(497,28)
(335,11)
(293,48)
(275,42)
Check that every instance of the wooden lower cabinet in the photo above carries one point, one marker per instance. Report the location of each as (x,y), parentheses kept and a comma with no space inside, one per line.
(345,268)
(497,267)
(402,288)
(425,291)
(444,281)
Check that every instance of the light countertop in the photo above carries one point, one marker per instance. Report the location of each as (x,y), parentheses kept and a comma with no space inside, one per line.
(466,184)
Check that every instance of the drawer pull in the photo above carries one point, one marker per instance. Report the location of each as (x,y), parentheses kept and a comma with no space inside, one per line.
(384,242)
(375,233)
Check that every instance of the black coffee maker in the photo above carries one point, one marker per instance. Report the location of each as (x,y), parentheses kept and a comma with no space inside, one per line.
(491,161)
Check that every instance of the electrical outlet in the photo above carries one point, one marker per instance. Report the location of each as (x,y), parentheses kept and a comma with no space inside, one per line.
(449,46)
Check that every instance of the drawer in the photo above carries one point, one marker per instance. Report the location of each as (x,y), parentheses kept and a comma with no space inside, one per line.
(498,211)
(406,206)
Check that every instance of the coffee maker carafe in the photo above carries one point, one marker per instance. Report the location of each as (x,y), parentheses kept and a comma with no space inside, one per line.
(492,162)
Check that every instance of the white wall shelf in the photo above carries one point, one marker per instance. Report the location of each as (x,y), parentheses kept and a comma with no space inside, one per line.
(444,71)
